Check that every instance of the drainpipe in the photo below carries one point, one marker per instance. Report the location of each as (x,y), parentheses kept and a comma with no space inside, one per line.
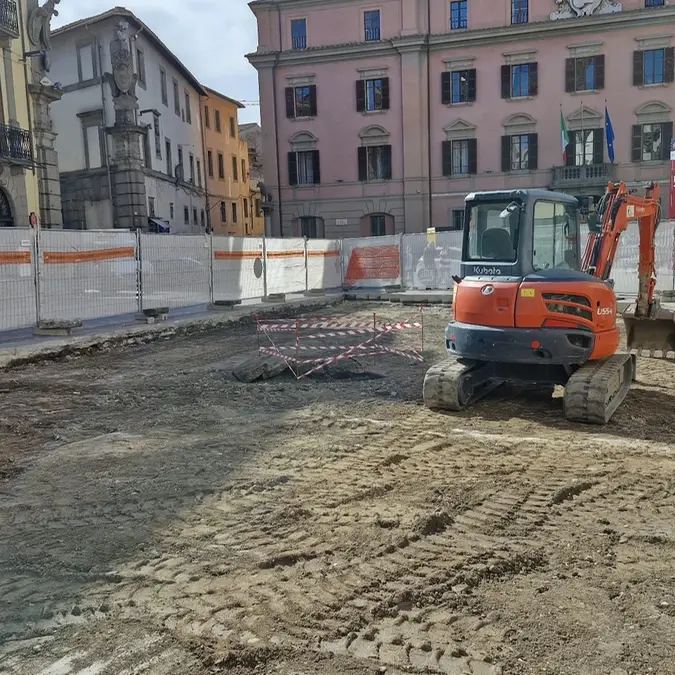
(429,162)
(22,32)
(276,117)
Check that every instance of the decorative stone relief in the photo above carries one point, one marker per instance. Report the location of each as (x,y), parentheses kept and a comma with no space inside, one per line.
(571,9)
(122,80)
(39,30)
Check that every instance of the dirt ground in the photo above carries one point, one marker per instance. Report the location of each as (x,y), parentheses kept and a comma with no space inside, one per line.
(158,517)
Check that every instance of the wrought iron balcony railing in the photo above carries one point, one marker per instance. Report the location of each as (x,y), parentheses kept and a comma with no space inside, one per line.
(9,20)
(299,42)
(15,143)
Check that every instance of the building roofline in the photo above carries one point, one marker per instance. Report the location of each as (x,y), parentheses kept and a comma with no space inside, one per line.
(213,92)
(124,13)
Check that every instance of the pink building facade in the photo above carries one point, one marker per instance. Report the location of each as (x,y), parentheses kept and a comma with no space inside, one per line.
(375,124)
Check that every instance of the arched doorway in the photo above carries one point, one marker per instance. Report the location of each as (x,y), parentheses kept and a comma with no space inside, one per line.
(6,217)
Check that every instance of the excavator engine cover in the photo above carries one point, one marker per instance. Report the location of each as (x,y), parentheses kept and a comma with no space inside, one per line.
(651,336)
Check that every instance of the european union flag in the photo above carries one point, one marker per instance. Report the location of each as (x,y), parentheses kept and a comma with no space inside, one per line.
(609,134)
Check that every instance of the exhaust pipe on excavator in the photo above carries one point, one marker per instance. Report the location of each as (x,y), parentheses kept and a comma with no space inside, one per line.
(651,336)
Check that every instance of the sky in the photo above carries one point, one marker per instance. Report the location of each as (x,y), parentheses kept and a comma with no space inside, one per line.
(209,36)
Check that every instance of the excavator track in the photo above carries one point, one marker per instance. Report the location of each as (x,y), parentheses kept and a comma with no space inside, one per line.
(448,385)
(595,391)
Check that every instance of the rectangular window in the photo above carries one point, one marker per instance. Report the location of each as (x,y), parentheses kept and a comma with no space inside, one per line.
(245,208)
(243,169)
(209,161)
(207,117)
(191,164)
(655,3)
(460,157)
(199,173)
(654,69)
(171,211)
(520,147)
(151,207)
(140,66)
(188,110)
(303,168)
(169,161)
(586,147)
(651,142)
(162,84)
(457,219)
(181,173)
(92,128)
(459,15)
(202,218)
(223,212)
(378,225)
(221,166)
(491,237)
(299,33)
(374,162)
(194,215)
(520,80)
(371,21)
(586,73)
(186,215)
(520,152)
(234,212)
(216,114)
(308,227)
(301,101)
(235,170)
(158,136)
(86,62)
(551,246)
(233,128)
(458,86)
(520,11)
(176,98)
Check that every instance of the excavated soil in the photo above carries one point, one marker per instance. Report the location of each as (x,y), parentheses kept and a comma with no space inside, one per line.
(159,517)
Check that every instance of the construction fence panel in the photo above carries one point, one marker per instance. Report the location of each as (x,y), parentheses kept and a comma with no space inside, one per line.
(238,268)
(372,262)
(324,270)
(430,260)
(285,265)
(86,274)
(18,302)
(175,270)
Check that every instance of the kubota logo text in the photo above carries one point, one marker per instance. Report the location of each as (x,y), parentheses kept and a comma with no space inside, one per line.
(487,271)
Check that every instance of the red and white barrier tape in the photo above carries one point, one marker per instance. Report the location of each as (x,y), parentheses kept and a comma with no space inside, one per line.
(361,326)
(374,350)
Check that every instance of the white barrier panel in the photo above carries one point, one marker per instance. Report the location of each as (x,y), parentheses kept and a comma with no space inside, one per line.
(18,308)
(86,275)
(286,265)
(430,261)
(238,268)
(372,262)
(175,270)
(323,264)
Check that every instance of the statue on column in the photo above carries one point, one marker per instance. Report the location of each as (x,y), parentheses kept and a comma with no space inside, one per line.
(122,80)
(39,30)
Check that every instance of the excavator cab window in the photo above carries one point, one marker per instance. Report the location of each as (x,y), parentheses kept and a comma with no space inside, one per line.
(555,234)
(493,231)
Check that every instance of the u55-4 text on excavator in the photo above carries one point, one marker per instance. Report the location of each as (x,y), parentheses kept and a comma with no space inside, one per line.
(529,308)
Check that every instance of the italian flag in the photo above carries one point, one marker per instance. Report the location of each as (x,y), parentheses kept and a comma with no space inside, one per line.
(564,136)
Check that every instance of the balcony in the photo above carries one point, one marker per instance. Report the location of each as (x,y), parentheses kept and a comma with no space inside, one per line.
(577,176)
(15,144)
(298,42)
(9,22)
(372,34)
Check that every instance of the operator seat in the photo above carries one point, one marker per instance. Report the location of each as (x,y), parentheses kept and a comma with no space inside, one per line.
(496,244)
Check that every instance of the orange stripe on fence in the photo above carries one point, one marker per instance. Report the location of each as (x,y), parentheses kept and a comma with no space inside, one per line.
(68,257)
(236,255)
(323,254)
(15,257)
(285,254)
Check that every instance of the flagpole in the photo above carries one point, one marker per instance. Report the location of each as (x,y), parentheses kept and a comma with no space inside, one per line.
(583,137)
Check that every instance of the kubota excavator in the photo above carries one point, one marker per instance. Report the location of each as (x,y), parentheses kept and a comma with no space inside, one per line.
(528,308)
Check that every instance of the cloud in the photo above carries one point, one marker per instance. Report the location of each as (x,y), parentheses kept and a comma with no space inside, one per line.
(209,36)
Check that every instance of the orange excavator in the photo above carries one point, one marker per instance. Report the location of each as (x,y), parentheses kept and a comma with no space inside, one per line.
(529,308)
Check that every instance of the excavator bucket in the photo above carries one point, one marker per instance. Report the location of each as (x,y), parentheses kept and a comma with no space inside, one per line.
(651,336)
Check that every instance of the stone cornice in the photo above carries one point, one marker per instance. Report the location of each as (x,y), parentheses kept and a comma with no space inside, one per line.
(641,18)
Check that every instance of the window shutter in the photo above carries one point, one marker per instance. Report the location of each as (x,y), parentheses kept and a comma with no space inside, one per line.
(636,144)
(473,155)
(446,88)
(666,138)
(389,225)
(363,164)
(533,152)
(316,165)
(638,68)
(292,168)
(598,146)
(506,81)
(385,93)
(471,85)
(360,95)
(506,153)
(312,100)
(569,75)
(669,65)
(571,148)
(534,78)
(446,154)
(386,161)
(600,71)
(290,102)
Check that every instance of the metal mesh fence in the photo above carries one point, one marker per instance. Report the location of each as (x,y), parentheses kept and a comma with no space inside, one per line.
(323,264)
(86,275)
(18,306)
(175,270)
(429,261)
(286,265)
(238,268)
